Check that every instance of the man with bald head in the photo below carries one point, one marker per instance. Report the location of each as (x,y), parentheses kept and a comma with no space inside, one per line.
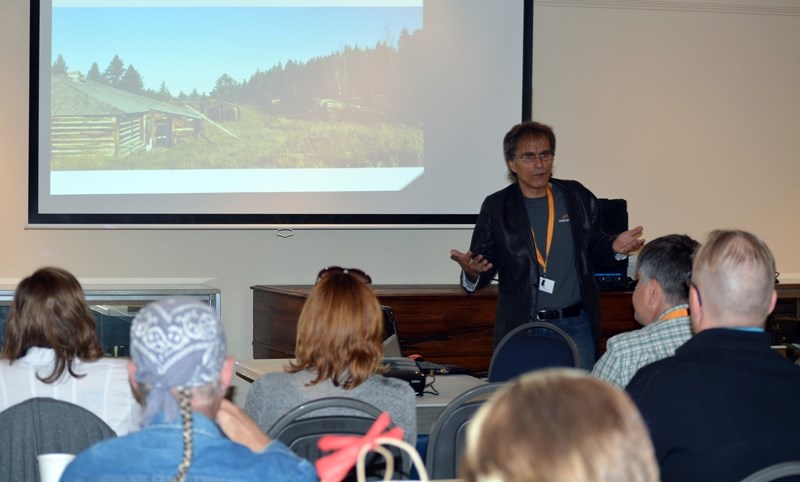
(724,406)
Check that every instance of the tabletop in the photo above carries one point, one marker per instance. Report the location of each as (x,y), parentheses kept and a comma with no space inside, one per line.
(429,405)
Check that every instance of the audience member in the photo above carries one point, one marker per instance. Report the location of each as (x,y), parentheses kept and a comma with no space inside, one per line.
(179,365)
(52,350)
(543,237)
(338,352)
(724,405)
(660,304)
(558,424)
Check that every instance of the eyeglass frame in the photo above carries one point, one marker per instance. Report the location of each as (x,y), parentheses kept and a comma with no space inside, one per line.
(530,157)
(359,274)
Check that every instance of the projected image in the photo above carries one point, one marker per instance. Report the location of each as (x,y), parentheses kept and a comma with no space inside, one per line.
(273,112)
(234,88)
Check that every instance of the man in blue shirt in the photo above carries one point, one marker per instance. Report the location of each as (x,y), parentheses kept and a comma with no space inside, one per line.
(180,368)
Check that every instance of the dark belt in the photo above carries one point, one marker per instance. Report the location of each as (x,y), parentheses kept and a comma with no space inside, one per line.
(568,312)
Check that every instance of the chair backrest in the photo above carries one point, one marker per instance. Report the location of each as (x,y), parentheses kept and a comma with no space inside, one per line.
(525,348)
(448,435)
(300,430)
(775,472)
(44,425)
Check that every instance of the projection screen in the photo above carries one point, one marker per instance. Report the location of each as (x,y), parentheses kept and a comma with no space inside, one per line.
(258,112)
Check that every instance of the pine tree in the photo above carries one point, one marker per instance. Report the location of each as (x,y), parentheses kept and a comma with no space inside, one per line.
(225,88)
(59,66)
(114,72)
(132,81)
(94,73)
(163,92)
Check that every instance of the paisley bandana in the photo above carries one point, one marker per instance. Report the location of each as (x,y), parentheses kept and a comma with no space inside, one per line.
(175,342)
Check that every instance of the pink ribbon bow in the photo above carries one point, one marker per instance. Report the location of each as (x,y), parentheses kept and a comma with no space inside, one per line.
(335,466)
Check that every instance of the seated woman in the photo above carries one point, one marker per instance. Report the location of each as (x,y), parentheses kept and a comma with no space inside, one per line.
(52,350)
(558,424)
(338,353)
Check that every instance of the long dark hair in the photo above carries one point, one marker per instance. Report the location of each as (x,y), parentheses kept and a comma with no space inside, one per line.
(49,311)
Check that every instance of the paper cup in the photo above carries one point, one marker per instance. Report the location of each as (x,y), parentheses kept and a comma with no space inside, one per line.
(51,466)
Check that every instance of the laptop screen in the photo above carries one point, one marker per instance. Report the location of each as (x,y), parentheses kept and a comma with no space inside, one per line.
(391,343)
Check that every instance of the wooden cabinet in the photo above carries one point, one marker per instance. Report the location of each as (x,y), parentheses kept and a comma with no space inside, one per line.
(616,315)
(445,324)
(441,322)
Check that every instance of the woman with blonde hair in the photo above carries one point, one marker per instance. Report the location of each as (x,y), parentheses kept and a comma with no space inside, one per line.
(559,424)
(52,350)
(338,353)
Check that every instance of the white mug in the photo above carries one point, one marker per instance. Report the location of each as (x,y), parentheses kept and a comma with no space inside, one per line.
(51,466)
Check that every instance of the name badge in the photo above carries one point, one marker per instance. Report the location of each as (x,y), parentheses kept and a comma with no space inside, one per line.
(546,285)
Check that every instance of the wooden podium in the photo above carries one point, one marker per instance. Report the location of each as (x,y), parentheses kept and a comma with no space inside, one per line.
(442,323)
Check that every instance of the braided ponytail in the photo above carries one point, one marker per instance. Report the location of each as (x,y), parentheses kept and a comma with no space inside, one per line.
(186,417)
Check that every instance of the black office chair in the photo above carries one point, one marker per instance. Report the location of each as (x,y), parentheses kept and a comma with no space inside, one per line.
(300,429)
(523,350)
(776,472)
(44,425)
(448,435)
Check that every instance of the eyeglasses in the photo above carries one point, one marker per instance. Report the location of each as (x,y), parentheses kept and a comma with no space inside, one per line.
(355,272)
(529,157)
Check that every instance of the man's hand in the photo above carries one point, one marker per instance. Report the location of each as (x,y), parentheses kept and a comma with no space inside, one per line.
(629,241)
(473,266)
(240,428)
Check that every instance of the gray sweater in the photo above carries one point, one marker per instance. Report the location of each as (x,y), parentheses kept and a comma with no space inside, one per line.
(274,394)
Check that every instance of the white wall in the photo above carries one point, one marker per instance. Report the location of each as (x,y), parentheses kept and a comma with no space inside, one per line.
(692,116)
(690,110)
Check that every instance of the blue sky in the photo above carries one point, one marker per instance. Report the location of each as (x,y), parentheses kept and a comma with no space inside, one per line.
(191,48)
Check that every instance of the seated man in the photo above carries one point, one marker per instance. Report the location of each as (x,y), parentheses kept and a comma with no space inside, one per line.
(725,405)
(180,369)
(660,304)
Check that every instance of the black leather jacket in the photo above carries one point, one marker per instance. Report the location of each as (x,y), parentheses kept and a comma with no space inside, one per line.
(502,234)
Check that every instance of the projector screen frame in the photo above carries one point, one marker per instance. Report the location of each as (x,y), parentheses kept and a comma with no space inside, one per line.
(45,220)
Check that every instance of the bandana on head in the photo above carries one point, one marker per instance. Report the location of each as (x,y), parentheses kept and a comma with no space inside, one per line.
(175,342)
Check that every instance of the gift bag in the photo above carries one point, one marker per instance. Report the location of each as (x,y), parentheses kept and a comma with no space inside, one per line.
(349,450)
(379,447)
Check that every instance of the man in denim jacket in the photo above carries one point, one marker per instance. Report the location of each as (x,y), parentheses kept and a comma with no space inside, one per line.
(180,368)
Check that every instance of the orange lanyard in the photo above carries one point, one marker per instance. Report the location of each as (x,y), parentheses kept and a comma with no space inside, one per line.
(551,216)
(675,314)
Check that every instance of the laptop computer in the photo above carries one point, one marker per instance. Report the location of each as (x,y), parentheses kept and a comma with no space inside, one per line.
(391,343)
(397,365)
(392,349)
